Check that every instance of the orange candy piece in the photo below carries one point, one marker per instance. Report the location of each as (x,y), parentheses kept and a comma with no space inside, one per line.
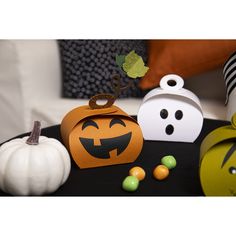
(138,172)
(160,172)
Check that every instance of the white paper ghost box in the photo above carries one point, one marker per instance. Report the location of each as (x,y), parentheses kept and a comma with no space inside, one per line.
(170,112)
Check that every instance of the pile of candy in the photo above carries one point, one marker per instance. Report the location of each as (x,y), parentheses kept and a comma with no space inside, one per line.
(131,182)
(162,171)
(137,174)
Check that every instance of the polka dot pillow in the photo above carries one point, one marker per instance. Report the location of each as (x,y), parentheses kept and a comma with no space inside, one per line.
(88,66)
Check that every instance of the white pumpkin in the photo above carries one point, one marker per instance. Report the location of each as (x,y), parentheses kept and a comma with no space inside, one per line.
(33,165)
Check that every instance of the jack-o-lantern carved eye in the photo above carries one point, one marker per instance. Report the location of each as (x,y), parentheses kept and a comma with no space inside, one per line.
(88,123)
(117,121)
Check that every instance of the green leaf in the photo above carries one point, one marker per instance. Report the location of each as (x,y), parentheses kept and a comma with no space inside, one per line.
(120,59)
(134,65)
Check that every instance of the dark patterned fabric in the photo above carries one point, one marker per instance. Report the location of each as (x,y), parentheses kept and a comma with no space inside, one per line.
(88,65)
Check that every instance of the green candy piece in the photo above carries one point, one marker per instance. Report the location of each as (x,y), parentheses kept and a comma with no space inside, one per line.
(168,161)
(130,183)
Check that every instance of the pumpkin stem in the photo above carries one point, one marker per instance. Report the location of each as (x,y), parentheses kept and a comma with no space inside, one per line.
(116,85)
(34,136)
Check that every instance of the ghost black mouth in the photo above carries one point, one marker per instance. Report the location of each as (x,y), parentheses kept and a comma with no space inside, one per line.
(169,129)
(102,151)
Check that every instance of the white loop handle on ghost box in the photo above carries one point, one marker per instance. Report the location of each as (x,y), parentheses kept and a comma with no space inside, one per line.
(171,82)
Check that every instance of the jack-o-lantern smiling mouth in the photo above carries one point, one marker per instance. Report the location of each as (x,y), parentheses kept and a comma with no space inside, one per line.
(103,151)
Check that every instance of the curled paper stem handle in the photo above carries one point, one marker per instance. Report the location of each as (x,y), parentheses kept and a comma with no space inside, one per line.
(116,85)
(109,97)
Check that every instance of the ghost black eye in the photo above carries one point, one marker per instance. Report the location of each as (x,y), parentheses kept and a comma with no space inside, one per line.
(178,115)
(117,121)
(232,170)
(164,113)
(88,123)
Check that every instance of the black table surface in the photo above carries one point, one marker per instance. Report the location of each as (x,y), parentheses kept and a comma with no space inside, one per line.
(183,180)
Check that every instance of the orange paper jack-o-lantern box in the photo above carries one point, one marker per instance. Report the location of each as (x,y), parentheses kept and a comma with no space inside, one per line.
(101,135)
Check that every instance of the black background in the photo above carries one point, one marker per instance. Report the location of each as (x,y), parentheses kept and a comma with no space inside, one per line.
(106,181)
